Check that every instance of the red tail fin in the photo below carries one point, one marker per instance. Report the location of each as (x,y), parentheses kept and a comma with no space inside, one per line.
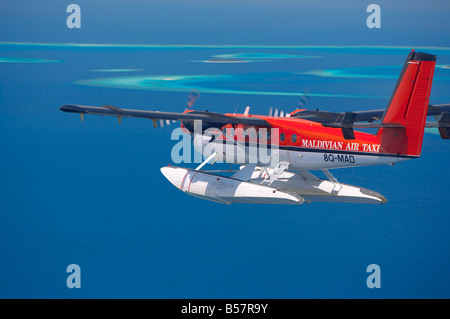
(408,106)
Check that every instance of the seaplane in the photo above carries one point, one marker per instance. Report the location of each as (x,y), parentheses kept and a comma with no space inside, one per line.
(298,144)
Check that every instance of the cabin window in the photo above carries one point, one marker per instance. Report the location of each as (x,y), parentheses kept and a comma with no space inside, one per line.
(282,137)
(294,138)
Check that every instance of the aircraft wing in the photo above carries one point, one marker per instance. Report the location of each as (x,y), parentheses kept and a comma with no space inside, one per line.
(345,121)
(210,118)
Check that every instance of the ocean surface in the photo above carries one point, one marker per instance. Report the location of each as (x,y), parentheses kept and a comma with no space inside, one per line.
(91,193)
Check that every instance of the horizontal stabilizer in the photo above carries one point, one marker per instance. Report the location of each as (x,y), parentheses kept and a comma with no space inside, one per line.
(444,126)
(347,125)
(362,125)
(326,117)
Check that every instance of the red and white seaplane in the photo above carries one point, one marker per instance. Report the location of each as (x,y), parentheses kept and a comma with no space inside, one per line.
(302,141)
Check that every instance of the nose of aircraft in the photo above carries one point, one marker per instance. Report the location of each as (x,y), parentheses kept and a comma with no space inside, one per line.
(174,175)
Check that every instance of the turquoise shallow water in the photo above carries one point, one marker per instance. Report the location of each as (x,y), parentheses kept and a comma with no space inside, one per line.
(91,193)
(362,49)
(117,70)
(25,60)
(202,83)
(232,83)
(442,72)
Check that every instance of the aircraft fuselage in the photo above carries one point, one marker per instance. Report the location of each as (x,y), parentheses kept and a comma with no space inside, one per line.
(301,143)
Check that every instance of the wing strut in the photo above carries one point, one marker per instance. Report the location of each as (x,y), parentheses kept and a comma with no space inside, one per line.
(331,178)
(275,172)
(206,161)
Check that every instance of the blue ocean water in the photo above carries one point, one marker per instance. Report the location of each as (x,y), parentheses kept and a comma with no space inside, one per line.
(92,194)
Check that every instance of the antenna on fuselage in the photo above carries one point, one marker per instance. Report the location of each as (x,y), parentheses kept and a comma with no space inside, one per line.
(236,107)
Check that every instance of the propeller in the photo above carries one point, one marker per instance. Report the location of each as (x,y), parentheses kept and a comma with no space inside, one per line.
(193,96)
(305,97)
